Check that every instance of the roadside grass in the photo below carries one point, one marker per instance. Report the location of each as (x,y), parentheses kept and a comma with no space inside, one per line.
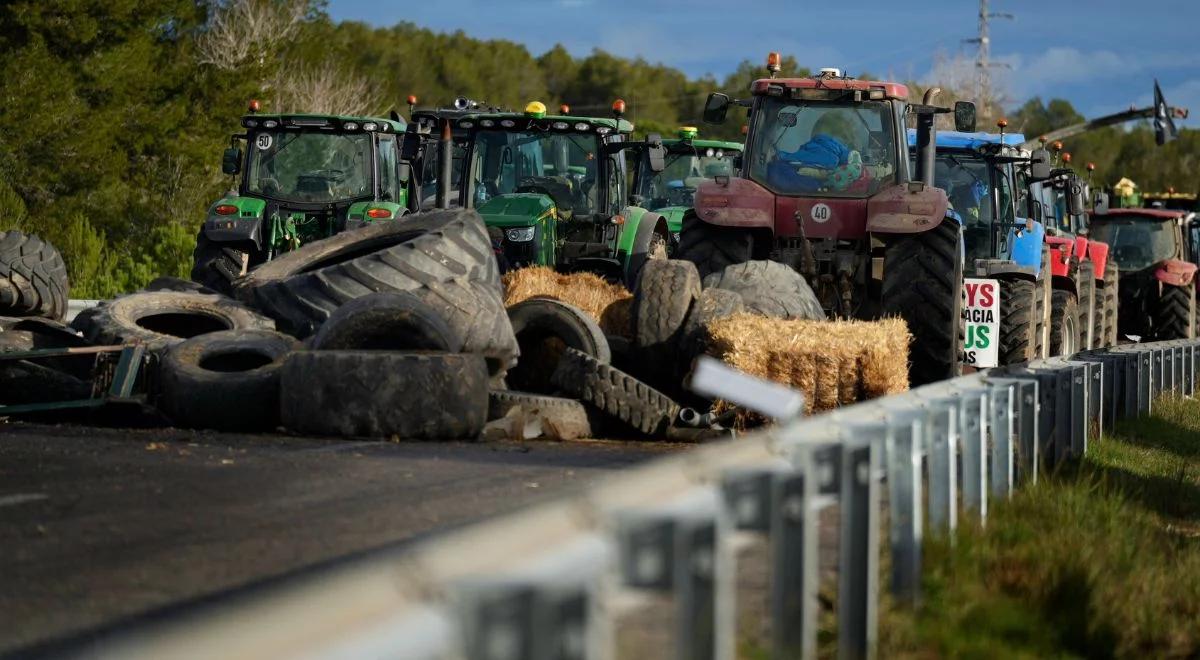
(1101,559)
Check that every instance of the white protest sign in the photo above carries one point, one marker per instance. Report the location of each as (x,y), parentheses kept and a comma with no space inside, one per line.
(982,314)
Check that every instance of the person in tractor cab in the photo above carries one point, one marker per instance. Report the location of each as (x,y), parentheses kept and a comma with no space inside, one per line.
(833,152)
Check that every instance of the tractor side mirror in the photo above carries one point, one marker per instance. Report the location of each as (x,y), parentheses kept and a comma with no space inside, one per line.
(404,172)
(964,116)
(656,153)
(1076,205)
(1039,165)
(715,108)
(231,161)
(410,146)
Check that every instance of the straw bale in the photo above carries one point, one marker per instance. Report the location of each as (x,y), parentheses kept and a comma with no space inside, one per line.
(609,304)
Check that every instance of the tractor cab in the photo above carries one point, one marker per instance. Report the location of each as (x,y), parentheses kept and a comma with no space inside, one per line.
(552,189)
(689,161)
(301,177)
(427,123)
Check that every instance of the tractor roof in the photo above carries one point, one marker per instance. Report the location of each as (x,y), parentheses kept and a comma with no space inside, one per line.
(676,144)
(521,121)
(889,90)
(312,120)
(960,140)
(1151,214)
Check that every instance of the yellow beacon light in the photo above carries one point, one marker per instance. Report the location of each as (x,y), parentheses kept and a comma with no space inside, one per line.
(688,132)
(536,109)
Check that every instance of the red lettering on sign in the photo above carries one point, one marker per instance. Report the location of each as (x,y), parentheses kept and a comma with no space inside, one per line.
(985,295)
(971,294)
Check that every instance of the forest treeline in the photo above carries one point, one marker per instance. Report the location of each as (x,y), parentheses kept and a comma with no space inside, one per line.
(114,112)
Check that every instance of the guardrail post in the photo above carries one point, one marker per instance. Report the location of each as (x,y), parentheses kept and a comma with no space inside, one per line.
(942,462)
(1080,385)
(972,411)
(1189,369)
(1097,395)
(858,569)
(1145,381)
(1156,371)
(1003,394)
(906,444)
(1168,369)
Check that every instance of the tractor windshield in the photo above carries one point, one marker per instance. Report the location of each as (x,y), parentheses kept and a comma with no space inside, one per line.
(686,167)
(310,167)
(827,149)
(562,166)
(1136,243)
(969,181)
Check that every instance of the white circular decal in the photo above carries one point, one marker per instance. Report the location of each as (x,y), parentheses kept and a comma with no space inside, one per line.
(821,213)
(263,141)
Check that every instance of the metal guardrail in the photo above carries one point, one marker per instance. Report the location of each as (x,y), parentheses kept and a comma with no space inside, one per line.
(76,305)
(554,581)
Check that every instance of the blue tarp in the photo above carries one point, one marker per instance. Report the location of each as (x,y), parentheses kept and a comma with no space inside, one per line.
(959,140)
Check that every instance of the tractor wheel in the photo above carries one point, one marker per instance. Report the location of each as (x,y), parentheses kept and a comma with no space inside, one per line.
(421,395)
(1088,303)
(769,288)
(661,302)
(1018,325)
(227,380)
(33,277)
(567,418)
(615,393)
(649,244)
(1064,324)
(212,266)
(390,321)
(923,284)
(444,257)
(544,328)
(169,283)
(712,305)
(712,247)
(1112,276)
(159,319)
(1174,316)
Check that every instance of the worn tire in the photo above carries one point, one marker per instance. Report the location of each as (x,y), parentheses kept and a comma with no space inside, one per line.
(168,283)
(208,260)
(649,244)
(661,302)
(443,257)
(412,395)
(712,305)
(923,284)
(615,393)
(769,288)
(1088,302)
(159,319)
(537,323)
(568,417)
(1018,326)
(1064,319)
(226,380)
(711,247)
(1112,280)
(33,277)
(28,334)
(389,321)
(1174,315)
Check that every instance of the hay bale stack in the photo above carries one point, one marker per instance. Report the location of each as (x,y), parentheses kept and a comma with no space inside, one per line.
(832,362)
(609,304)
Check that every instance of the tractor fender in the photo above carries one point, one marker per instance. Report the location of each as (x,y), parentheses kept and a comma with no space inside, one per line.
(735,202)
(633,246)
(1004,269)
(907,209)
(243,226)
(1061,251)
(1097,253)
(1027,246)
(1175,272)
(1065,283)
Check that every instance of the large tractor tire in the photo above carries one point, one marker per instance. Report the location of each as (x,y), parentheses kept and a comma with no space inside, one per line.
(615,393)
(443,257)
(568,419)
(769,288)
(923,284)
(544,328)
(390,321)
(1111,297)
(33,277)
(661,303)
(1018,321)
(1064,323)
(1089,303)
(711,247)
(712,305)
(214,265)
(650,243)
(1175,314)
(159,319)
(418,395)
(225,380)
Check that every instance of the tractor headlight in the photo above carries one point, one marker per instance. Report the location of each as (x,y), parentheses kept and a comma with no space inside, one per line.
(519,234)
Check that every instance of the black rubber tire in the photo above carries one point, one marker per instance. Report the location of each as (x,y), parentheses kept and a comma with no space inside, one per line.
(1112,282)
(712,305)
(649,244)
(227,380)
(569,417)
(1064,319)
(923,284)
(443,257)
(1018,328)
(411,395)
(535,322)
(769,288)
(615,393)
(33,277)
(662,301)
(168,283)
(711,247)
(389,321)
(1174,315)
(208,260)
(1085,273)
(159,319)
(23,381)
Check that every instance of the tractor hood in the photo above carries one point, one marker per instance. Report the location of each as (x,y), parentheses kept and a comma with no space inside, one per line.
(515,210)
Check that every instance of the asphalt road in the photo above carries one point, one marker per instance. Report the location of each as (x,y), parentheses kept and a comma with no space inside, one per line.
(100,525)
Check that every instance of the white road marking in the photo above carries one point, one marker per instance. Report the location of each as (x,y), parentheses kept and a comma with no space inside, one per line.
(21,498)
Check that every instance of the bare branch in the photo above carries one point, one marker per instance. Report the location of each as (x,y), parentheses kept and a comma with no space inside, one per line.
(327,89)
(241,32)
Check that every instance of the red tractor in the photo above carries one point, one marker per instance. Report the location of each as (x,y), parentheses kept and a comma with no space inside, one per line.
(825,187)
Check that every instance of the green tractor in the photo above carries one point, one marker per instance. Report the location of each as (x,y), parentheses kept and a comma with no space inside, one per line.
(302,178)
(552,189)
(689,161)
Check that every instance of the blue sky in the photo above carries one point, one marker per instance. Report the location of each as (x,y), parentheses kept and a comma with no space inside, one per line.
(1099,54)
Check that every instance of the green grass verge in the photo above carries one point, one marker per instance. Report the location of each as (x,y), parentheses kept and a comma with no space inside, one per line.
(1099,560)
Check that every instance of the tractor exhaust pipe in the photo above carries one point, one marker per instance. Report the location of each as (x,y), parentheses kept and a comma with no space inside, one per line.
(445,165)
(927,139)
